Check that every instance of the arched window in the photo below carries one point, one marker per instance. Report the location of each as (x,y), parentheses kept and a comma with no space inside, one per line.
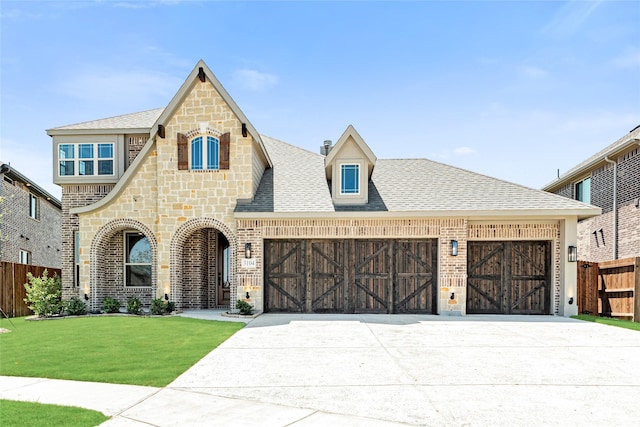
(205,154)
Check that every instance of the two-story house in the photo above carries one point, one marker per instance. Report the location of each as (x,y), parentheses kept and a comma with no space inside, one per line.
(190,203)
(610,179)
(30,221)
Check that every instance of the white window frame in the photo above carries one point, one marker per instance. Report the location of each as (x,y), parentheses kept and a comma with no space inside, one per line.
(24,257)
(205,153)
(95,159)
(582,184)
(128,264)
(357,166)
(34,206)
(76,255)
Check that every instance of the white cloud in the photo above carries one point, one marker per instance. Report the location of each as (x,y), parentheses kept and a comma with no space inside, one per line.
(111,85)
(254,80)
(464,151)
(570,18)
(629,60)
(533,72)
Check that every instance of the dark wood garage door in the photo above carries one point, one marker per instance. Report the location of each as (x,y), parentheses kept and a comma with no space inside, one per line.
(351,276)
(509,277)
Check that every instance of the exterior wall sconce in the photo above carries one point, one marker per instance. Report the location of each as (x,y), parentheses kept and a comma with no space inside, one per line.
(247,250)
(572,254)
(570,300)
(86,297)
(248,296)
(166,297)
(454,248)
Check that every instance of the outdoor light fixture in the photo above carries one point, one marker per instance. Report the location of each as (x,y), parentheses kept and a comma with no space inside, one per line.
(166,297)
(247,250)
(248,296)
(454,248)
(86,297)
(453,295)
(570,300)
(572,254)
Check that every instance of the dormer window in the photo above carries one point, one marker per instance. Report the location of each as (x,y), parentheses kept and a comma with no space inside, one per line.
(205,153)
(350,179)
(88,159)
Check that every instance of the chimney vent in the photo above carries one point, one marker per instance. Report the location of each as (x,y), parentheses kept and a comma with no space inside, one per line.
(326,147)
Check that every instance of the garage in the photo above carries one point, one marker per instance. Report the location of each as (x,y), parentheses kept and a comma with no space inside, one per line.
(351,276)
(509,277)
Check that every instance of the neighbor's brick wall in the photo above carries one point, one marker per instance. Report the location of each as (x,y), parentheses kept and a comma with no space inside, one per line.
(43,233)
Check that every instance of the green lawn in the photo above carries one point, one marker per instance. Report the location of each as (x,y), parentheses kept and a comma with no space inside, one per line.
(149,351)
(29,414)
(609,321)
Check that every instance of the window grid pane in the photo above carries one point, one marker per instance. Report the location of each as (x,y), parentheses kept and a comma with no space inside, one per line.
(105,151)
(196,153)
(105,167)
(85,151)
(349,179)
(212,152)
(85,167)
(66,151)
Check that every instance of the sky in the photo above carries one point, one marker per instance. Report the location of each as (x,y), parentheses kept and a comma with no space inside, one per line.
(516,90)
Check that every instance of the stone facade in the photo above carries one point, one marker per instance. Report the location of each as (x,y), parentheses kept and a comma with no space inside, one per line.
(19,231)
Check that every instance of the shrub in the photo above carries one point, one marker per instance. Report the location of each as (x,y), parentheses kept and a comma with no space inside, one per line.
(134,306)
(171,306)
(111,305)
(158,307)
(244,307)
(76,307)
(44,295)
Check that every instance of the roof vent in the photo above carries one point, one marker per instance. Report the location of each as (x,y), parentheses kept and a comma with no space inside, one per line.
(326,147)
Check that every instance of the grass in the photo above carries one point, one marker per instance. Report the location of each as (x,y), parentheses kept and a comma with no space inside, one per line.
(29,414)
(150,351)
(627,324)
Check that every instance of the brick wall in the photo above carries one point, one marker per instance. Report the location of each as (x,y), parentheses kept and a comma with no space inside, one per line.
(18,231)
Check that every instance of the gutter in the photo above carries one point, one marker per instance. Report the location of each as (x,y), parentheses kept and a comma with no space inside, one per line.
(615,205)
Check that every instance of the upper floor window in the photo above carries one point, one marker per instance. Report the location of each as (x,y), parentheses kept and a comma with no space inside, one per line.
(205,153)
(350,179)
(86,159)
(138,259)
(583,190)
(33,207)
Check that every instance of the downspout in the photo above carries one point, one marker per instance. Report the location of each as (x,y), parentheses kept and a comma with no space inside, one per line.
(615,205)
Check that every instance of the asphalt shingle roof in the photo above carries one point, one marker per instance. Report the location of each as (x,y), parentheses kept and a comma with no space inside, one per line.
(297,183)
(143,119)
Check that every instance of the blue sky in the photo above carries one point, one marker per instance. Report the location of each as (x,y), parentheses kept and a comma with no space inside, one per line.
(510,89)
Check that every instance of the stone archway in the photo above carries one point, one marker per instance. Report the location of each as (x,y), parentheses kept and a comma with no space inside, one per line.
(177,246)
(107,264)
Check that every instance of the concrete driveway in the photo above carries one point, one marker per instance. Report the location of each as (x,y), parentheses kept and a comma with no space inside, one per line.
(417,370)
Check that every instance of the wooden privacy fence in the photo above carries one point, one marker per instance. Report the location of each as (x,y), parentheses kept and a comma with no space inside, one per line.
(12,291)
(610,288)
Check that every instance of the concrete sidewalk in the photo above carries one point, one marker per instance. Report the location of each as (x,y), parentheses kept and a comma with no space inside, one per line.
(379,370)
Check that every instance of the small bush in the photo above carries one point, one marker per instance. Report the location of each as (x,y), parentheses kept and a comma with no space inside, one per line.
(134,306)
(244,307)
(111,305)
(76,307)
(158,307)
(171,306)
(44,295)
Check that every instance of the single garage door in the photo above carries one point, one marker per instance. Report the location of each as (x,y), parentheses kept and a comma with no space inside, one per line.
(509,277)
(351,276)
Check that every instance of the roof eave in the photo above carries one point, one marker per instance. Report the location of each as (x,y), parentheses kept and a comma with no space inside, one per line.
(106,131)
(573,174)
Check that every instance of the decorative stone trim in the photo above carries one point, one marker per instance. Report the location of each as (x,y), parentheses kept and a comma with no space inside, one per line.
(537,231)
(176,255)
(349,228)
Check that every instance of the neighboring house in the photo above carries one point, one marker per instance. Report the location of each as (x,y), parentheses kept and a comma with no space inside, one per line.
(30,221)
(610,180)
(190,203)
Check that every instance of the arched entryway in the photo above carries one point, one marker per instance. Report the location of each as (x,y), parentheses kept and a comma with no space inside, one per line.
(203,264)
(123,257)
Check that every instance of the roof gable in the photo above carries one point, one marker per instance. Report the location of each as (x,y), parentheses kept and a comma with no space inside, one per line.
(350,135)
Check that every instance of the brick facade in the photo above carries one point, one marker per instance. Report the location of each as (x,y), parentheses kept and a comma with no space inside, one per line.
(18,231)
